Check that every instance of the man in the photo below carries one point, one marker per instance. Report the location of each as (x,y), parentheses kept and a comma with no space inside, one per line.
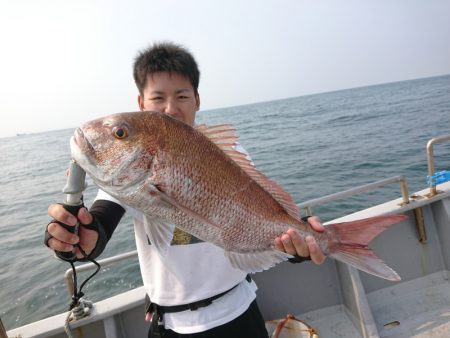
(194,288)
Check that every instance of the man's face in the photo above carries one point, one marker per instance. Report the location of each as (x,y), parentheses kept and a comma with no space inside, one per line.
(171,94)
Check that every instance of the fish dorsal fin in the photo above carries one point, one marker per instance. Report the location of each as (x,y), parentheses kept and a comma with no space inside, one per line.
(224,136)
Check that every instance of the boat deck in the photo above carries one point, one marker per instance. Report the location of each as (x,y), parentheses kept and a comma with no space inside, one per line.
(334,298)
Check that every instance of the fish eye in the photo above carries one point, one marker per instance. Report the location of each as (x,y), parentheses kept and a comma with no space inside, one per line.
(120,132)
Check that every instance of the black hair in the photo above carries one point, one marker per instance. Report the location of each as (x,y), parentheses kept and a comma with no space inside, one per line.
(165,57)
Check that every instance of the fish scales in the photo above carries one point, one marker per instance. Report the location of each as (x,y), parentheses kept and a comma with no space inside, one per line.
(203,179)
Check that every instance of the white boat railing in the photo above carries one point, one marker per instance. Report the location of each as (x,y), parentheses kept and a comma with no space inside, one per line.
(355,191)
(430,156)
(91,266)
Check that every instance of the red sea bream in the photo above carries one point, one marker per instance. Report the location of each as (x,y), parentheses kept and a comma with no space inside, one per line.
(195,179)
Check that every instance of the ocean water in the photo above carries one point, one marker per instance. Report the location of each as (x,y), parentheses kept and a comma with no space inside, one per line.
(312,145)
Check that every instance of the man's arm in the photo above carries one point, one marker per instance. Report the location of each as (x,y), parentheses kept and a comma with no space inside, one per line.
(108,215)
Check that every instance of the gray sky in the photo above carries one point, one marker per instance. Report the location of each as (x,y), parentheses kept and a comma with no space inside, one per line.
(65,62)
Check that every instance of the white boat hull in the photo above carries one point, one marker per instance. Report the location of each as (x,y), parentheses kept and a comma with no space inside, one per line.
(335,299)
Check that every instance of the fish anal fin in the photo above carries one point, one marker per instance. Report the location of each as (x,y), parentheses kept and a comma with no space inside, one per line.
(256,261)
(224,136)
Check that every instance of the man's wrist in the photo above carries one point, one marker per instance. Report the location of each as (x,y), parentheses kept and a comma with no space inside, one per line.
(102,239)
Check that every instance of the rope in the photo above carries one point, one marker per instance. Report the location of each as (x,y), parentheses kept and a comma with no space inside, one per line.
(79,308)
(284,325)
(83,309)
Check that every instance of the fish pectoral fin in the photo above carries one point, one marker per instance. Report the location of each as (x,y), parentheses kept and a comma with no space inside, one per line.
(256,261)
(192,213)
(159,232)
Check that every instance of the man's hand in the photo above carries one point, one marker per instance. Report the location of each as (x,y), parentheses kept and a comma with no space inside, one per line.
(292,243)
(63,240)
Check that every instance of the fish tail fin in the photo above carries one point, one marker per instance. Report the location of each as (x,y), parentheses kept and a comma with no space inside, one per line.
(349,244)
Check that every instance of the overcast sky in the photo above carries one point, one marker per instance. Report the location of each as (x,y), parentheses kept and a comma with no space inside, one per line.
(65,62)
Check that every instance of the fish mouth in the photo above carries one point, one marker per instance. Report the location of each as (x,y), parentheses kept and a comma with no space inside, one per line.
(83,152)
(81,149)
(80,140)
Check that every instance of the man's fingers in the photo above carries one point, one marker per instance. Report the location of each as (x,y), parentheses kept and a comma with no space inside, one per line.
(284,243)
(288,246)
(292,243)
(84,216)
(57,245)
(278,244)
(298,244)
(315,252)
(58,232)
(315,223)
(62,215)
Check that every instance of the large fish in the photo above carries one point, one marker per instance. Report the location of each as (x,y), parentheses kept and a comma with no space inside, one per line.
(194,178)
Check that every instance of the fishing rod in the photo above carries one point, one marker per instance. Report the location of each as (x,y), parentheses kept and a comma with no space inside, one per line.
(73,202)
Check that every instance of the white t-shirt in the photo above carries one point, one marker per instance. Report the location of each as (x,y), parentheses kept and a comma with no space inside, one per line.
(190,271)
